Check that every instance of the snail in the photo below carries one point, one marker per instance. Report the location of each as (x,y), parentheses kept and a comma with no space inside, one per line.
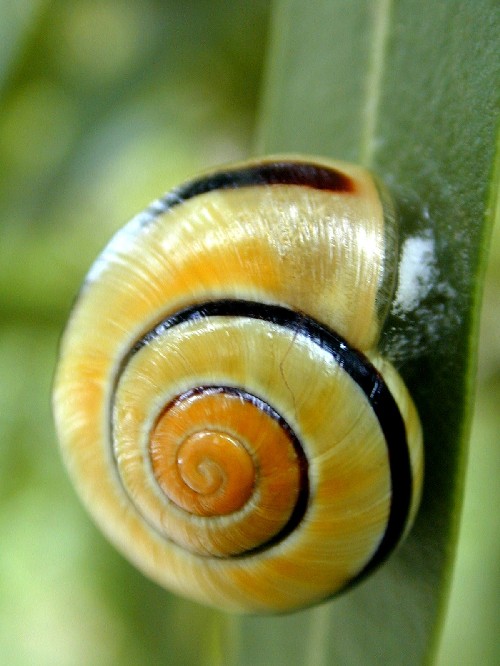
(219,398)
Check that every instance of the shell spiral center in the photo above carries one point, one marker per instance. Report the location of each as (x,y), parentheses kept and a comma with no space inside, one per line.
(210,471)
(228,476)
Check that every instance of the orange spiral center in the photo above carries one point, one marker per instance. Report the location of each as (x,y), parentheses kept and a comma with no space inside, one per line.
(216,452)
(210,474)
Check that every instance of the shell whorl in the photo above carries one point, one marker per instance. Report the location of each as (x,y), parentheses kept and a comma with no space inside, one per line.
(219,398)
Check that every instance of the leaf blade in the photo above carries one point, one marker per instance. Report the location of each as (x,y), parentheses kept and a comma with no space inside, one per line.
(417,85)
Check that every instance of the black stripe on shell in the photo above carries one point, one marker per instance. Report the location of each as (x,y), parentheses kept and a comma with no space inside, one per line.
(294,172)
(360,370)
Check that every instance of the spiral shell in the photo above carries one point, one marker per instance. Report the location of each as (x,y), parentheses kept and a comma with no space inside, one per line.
(219,399)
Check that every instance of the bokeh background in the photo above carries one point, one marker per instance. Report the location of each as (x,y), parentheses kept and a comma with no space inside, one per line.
(104,105)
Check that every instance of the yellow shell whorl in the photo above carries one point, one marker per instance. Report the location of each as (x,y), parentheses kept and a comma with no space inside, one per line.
(205,330)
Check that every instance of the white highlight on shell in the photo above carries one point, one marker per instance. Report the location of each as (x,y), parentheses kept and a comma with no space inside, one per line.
(124,240)
(417,272)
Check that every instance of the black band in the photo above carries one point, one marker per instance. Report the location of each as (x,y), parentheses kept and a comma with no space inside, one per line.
(359,369)
(295,172)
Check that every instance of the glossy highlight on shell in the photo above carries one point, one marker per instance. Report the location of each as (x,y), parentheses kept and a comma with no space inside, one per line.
(219,398)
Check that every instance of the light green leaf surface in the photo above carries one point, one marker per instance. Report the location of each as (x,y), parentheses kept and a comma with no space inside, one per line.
(411,90)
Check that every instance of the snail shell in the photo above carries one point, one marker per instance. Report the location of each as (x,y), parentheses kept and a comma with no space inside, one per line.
(219,399)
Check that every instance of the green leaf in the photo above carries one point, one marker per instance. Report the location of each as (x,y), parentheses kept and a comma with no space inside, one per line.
(409,89)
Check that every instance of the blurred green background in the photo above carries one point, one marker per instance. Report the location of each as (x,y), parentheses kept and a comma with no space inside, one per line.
(105,104)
